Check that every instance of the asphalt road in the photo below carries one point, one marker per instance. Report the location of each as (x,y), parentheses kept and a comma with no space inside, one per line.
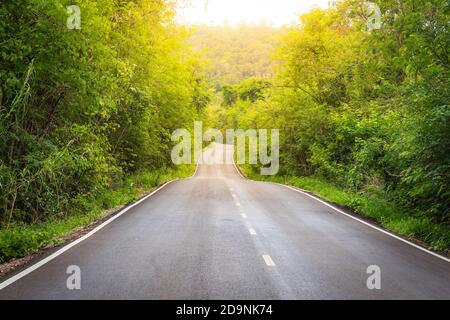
(219,236)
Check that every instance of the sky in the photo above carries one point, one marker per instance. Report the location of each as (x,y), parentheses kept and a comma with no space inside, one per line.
(277,12)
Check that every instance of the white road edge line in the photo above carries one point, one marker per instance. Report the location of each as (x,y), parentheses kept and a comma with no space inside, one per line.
(44,261)
(196,167)
(355,218)
(268,260)
(238,171)
(76,242)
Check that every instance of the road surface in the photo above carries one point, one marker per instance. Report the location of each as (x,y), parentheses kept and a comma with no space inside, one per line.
(219,236)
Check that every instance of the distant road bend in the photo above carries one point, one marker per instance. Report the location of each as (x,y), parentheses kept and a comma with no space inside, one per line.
(220,236)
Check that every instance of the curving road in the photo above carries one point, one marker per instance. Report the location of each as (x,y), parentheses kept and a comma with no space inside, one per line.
(219,236)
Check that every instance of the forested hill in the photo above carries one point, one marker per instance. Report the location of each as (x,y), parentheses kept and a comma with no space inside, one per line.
(237,53)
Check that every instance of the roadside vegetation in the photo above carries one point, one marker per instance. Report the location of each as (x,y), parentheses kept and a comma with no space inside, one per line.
(21,239)
(374,206)
(86,115)
(364,117)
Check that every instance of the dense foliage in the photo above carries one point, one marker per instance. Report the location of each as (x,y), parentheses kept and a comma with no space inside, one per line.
(369,111)
(82,109)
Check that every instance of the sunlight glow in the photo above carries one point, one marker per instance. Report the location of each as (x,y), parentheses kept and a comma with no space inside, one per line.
(276,12)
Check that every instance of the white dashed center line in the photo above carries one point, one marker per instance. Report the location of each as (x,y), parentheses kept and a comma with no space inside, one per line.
(252,232)
(244,216)
(268,260)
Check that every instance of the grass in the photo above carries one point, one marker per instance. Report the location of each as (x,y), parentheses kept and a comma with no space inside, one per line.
(372,205)
(20,240)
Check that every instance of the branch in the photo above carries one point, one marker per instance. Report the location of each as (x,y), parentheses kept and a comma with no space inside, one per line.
(301,89)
